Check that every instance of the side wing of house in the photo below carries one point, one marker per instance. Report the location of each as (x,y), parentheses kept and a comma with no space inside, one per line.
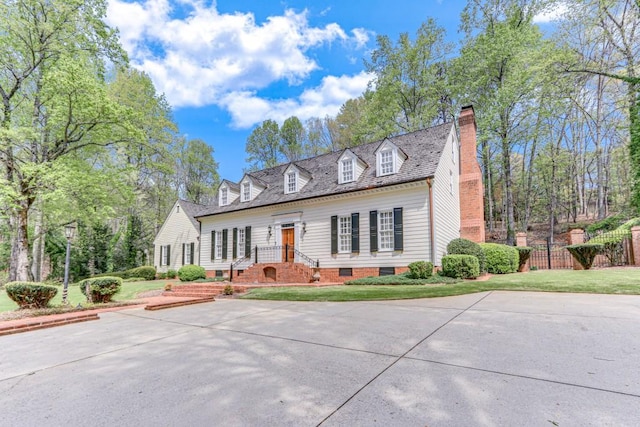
(177,242)
(446,198)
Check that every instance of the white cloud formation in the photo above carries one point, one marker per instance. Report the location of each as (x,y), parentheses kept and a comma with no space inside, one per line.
(247,108)
(557,12)
(197,56)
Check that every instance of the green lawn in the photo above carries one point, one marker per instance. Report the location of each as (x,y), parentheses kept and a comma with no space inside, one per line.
(127,292)
(606,281)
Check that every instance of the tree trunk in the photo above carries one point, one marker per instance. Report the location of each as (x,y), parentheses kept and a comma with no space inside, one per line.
(508,190)
(19,268)
(37,253)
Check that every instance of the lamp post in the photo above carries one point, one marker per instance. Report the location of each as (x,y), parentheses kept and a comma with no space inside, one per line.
(69,232)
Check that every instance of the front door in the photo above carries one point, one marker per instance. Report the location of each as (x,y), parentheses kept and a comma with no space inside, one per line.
(288,244)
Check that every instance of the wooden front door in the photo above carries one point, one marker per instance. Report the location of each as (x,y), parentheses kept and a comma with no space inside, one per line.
(288,245)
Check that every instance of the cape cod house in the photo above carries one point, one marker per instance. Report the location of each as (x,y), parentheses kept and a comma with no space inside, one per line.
(366,210)
(177,242)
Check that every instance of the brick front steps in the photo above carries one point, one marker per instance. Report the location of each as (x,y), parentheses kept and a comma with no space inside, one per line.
(31,324)
(170,302)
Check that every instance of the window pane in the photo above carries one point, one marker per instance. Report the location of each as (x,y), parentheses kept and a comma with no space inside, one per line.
(241,243)
(386,162)
(219,245)
(385,230)
(291,182)
(344,234)
(246,191)
(347,170)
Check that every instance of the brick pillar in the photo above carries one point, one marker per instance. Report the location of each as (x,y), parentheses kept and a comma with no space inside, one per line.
(471,191)
(635,244)
(576,237)
(521,240)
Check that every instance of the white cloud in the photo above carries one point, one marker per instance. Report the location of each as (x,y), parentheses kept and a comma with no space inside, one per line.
(247,109)
(197,56)
(557,12)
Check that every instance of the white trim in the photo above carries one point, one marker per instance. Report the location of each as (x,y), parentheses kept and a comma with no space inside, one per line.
(245,196)
(341,234)
(390,230)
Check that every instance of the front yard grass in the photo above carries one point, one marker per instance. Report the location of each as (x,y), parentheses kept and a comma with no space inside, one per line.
(602,281)
(128,292)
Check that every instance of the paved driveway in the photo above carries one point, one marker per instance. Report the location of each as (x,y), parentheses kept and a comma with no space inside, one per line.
(496,358)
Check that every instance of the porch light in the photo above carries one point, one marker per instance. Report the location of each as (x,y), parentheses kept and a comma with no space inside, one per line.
(269,231)
(304,227)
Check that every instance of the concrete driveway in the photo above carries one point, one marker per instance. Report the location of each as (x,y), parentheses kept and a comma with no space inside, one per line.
(490,359)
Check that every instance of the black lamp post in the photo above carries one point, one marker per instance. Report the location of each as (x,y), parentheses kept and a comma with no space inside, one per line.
(69,232)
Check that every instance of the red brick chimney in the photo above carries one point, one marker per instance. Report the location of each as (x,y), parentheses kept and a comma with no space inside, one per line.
(471,191)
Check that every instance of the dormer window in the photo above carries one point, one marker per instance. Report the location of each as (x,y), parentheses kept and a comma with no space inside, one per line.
(224,196)
(292,182)
(347,170)
(246,191)
(386,162)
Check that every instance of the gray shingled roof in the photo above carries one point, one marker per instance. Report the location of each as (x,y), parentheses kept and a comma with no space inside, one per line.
(192,210)
(423,149)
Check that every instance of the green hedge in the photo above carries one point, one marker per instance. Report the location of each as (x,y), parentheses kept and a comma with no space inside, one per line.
(102,288)
(30,294)
(420,270)
(171,273)
(501,259)
(524,252)
(148,272)
(585,253)
(461,266)
(189,273)
(400,279)
(467,247)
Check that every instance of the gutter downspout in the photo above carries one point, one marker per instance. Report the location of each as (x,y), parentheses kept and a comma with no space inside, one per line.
(431,229)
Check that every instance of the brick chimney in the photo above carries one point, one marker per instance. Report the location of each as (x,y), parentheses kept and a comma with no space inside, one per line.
(471,191)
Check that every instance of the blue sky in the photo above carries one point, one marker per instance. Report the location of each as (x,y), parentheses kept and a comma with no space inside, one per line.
(225,66)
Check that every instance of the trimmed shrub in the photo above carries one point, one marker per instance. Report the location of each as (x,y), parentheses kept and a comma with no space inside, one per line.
(171,273)
(501,259)
(189,273)
(102,288)
(161,275)
(228,290)
(401,279)
(585,253)
(607,224)
(420,270)
(524,252)
(460,266)
(467,247)
(148,272)
(30,294)
(134,279)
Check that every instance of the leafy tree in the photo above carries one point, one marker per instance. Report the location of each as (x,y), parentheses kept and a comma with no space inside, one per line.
(54,99)
(197,171)
(263,146)
(292,136)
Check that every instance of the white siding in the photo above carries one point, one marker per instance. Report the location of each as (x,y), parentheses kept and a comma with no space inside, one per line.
(176,230)
(302,180)
(255,190)
(360,167)
(316,214)
(446,204)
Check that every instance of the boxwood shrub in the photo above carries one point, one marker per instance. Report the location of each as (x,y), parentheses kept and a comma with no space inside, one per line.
(467,247)
(585,253)
(171,273)
(30,294)
(189,273)
(102,288)
(420,270)
(501,259)
(460,266)
(146,271)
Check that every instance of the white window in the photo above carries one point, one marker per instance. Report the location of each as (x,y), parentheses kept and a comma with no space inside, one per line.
(386,162)
(240,242)
(187,253)
(164,255)
(219,245)
(347,170)
(246,191)
(344,234)
(385,231)
(292,182)
(224,196)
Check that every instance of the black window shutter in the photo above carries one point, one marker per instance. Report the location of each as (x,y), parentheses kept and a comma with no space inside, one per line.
(397,229)
(224,243)
(355,232)
(213,245)
(191,253)
(247,241)
(334,234)
(183,254)
(373,231)
(168,255)
(235,243)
